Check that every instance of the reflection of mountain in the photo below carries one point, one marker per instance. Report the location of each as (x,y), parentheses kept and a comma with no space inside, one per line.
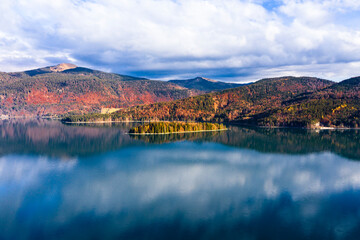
(294,141)
(197,189)
(280,140)
(53,138)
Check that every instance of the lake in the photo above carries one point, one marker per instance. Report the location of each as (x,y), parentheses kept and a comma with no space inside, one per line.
(97,182)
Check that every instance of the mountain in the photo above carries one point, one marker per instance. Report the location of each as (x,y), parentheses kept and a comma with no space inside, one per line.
(335,106)
(62,67)
(68,88)
(241,104)
(205,84)
(285,101)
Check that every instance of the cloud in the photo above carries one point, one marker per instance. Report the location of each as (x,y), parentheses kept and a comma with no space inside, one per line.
(177,39)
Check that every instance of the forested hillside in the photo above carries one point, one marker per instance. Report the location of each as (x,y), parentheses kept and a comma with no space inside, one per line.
(66,88)
(335,106)
(246,104)
(284,102)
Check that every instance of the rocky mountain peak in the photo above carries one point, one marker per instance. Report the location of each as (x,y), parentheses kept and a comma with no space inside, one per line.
(62,67)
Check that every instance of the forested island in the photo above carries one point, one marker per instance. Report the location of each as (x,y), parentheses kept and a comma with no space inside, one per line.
(176,127)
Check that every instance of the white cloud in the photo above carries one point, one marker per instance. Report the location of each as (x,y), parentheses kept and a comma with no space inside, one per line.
(164,38)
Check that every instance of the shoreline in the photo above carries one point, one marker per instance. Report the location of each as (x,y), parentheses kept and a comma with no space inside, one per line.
(217,130)
(305,128)
(150,121)
(103,122)
(234,123)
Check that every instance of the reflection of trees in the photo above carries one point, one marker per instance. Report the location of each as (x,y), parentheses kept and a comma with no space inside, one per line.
(294,141)
(167,138)
(52,138)
(280,140)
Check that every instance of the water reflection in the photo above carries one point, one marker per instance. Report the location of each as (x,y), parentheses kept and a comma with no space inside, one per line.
(52,138)
(276,140)
(185,190)
(168,138)
(294,141)
(198,187)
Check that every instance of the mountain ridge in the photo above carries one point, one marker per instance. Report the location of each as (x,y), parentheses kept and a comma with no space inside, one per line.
(205,84)
(245,104)
(335,106)
(66,88)
(284,101)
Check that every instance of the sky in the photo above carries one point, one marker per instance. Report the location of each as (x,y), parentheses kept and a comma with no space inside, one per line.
(232,40)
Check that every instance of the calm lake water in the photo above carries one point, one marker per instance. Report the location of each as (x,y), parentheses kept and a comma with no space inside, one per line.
(96,182)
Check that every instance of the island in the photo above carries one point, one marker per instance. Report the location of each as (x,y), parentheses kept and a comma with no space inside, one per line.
(176,127)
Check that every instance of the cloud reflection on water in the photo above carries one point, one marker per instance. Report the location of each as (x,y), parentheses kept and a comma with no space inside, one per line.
(243,183)
(196,182)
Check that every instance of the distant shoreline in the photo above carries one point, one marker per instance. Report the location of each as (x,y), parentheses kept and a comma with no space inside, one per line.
(150,121)
(231,123)
(104,122)
(318,128)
